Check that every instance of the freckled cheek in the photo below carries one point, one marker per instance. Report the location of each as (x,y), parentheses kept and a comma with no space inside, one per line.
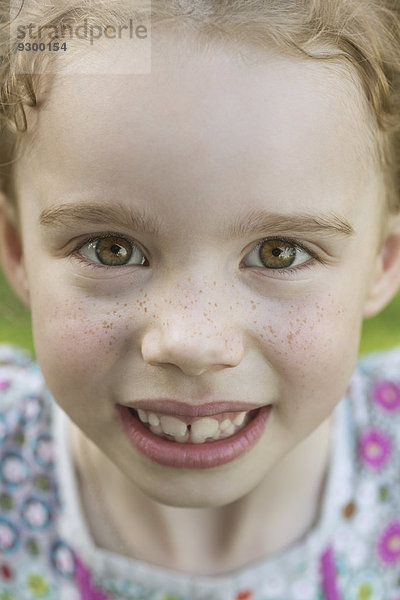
(301,343)
(80,338)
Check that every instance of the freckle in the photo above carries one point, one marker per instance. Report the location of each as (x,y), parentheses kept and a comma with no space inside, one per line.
(185,307)
(230,308)
(200,291)
(254,306)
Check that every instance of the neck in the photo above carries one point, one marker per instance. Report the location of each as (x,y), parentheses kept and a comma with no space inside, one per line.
(203,541)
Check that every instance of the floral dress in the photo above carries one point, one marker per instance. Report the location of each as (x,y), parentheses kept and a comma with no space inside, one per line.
(352,553)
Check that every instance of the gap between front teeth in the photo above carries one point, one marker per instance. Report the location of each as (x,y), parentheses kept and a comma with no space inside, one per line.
(197,432)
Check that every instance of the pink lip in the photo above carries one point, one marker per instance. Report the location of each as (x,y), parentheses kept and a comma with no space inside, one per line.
(193,456)
(174,408)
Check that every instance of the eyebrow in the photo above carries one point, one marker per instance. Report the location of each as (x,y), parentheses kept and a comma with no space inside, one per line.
(69,215)
(258,222)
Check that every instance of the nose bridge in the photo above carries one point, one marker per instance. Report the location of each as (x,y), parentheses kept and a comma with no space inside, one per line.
(191,328)
(195,304)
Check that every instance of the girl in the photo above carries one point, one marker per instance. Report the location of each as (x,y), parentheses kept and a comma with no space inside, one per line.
(198,245)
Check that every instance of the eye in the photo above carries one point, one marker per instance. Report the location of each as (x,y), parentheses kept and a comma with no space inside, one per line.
(112,251)
(277,254)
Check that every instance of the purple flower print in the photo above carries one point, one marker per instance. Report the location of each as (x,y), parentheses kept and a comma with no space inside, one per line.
(4,384)
(85,584)
(375,448)
(386,395)
(389,543)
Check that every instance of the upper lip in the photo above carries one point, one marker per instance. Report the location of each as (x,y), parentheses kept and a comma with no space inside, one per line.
(173,407)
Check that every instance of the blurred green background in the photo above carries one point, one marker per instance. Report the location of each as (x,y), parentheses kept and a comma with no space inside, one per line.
(379,332)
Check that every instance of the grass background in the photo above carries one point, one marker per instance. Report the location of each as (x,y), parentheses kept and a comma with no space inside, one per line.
(382,331)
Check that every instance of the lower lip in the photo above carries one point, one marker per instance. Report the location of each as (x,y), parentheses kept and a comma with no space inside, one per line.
(192,456)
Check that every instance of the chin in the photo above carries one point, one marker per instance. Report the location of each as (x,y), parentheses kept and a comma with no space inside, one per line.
(195,494)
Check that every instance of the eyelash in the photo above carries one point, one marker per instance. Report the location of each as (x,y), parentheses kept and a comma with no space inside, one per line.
(289,271)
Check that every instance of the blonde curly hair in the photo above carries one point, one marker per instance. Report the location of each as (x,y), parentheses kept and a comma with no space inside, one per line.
(365,35)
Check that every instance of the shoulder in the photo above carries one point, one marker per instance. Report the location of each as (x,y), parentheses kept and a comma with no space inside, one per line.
(30,540)
(373,426)
(368,531)
(384,364)
(374,396)
(25,415)
(375,387)
(19,375)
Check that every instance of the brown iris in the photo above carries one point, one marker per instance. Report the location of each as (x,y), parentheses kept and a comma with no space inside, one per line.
(113,251)
(277,254)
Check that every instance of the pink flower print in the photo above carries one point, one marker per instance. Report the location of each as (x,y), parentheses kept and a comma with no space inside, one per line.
(4,384)
(32,409)
(36,513)
(13,469)
(8,535)
(386,395)
(85,585)
(375,448)
(389,543)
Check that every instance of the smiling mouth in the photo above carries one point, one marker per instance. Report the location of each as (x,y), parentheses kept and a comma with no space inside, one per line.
(193,430)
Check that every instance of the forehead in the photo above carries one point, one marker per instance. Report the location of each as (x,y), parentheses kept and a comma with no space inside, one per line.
(209,126)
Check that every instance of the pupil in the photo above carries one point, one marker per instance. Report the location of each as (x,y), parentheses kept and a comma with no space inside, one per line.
(115,249)
(276,251)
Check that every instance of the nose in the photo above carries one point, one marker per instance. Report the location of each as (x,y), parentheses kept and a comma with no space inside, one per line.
(194,349)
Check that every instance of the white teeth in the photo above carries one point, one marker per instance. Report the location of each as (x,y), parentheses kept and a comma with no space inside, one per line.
(173,426)
(153,419)
(156,429)
(198,432)
(239,419)
(202,429)
(183,438)
(229,430)
(225,424)
(143,416)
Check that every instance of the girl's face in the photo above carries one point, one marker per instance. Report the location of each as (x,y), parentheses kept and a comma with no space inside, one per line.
(190,169)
